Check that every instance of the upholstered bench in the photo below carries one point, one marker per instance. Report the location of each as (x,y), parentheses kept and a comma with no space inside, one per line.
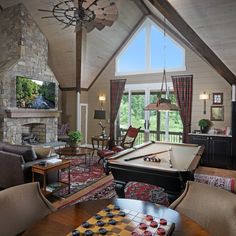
(146,192)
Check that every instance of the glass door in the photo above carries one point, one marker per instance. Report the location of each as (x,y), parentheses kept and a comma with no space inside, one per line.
(155,126)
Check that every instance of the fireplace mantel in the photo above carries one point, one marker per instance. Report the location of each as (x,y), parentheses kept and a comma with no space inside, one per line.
(28,113)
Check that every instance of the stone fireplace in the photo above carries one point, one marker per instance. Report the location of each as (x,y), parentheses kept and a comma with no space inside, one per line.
(24,52)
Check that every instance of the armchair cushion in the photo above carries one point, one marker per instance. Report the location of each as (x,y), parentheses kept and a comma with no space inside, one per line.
(105,153)
(117,148)
(128,142)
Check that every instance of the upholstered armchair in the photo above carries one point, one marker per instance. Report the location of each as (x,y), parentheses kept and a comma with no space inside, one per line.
(213,208)
(21,206)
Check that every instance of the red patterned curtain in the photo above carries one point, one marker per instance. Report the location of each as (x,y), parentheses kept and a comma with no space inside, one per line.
(116,92)
(183,89)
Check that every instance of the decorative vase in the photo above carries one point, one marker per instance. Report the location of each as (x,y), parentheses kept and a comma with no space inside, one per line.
(204,130)
(74,145)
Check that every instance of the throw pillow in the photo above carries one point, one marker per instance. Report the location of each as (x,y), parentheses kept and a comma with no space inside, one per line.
(43,152)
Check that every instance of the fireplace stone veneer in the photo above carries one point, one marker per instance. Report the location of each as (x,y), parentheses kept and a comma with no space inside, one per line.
(13,129)
(24,52)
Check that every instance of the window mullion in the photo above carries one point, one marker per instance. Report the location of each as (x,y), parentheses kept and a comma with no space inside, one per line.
(129,111)
(148,46)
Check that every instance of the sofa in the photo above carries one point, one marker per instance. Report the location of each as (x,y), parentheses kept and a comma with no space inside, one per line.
(16,162)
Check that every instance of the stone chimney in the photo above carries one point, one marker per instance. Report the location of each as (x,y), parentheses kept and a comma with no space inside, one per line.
(24,52)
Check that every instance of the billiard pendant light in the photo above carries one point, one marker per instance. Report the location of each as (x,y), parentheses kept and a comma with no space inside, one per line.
(163,102)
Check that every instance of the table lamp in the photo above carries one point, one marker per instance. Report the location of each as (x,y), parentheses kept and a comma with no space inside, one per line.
(100,115)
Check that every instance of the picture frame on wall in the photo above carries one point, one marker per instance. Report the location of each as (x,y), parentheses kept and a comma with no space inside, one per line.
(217,99)
(217,113)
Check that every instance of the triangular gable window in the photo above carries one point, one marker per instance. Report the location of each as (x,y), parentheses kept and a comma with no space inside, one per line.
(144,53)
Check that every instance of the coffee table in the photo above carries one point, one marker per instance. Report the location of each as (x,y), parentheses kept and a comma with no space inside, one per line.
(44,169)
(77,152)
(65,220)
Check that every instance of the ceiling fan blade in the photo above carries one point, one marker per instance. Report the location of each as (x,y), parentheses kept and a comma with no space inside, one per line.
(111,9)
(76,3)
(89,26)
(100,16)
(103,22)
(88,3)
(99,26)
(103,3)
(100,4)
(98,12)
(111,17)
(68,24)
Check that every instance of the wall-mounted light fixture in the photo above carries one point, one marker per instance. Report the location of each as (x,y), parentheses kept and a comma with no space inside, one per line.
(102,99)
(204,96)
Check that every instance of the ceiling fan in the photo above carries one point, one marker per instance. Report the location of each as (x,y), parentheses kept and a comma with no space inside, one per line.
(89,14)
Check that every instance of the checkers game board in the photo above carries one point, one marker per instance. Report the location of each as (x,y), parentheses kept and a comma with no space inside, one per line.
(123,222)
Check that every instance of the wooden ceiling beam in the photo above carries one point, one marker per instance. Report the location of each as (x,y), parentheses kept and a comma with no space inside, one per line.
(65,89)
(169,12)
(142,7)
(79,41)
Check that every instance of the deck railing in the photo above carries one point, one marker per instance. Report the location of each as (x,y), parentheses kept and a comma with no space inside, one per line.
(173,137)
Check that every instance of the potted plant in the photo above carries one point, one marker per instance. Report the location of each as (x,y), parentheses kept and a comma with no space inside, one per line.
(75,138)
(205,125)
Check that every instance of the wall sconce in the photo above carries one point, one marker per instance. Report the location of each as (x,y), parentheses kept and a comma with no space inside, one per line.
(204,96)
(102,99)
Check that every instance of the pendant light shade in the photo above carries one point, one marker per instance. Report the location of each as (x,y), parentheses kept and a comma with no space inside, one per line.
(163,102)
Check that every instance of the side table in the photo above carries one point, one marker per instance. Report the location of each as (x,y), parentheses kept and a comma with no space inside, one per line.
(99,142)
(44,169)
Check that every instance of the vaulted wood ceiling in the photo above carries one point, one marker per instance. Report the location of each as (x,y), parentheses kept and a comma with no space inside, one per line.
(213,20)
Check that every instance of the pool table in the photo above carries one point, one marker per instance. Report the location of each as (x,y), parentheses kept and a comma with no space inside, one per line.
(167,165)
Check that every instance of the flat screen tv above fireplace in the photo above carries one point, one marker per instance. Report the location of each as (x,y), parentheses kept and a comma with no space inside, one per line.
(34,94)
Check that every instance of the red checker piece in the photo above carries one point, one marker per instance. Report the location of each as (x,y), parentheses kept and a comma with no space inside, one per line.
(149,218)
(147,233)
(161,231)
(153,224)
(163,221)
(143,226)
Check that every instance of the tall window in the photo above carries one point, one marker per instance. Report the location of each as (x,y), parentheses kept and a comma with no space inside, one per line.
(144,53)
(163,126)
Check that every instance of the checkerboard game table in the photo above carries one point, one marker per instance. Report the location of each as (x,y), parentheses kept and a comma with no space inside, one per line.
(66,220)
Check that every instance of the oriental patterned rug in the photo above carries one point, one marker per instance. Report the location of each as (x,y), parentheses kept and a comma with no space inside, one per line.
(216,181)
(106,191)
(81,175)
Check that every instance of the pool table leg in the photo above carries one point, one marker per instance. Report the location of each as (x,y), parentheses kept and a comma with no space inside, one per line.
(119,188)
(105,167)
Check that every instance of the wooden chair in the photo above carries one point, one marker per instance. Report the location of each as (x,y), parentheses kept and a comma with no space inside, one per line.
(21,206)
(213,208)
(126,142)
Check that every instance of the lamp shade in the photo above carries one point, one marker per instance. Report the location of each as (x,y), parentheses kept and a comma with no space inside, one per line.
(99,114)
(204,96)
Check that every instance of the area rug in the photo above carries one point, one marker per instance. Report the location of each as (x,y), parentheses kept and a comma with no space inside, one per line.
(217,181)
(106,191)
(81,175)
